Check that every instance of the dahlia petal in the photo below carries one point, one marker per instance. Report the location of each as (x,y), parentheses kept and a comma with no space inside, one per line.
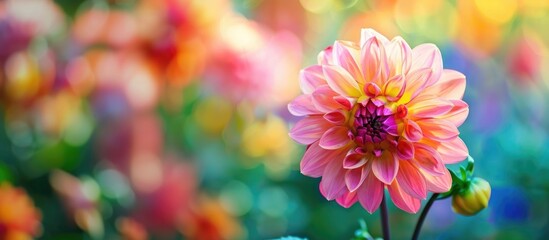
(368,33)
(429,108)
(411,180)
(405,150)
(309,129)
(316,158)
(371,90)
(370,193)
(438,184)
(341,81)
(428,159)
(374,61)
(385,168)
(333,180)
(311,78)
(438,129)
(336,117)
(336,137)
(303,105)
(412,131)
(323,99)
(415,83)
(394,88)
(458,113)
(345,103)
(354,178)
(399,56)
(347,199)
(403,200)
(325,57)
(354,160)
(453,151)
(346,55)
(428,56)
(450,86)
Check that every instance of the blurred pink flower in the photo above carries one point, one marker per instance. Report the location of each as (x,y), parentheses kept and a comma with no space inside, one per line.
(134,146)
(524,59)
(163,210)
(254,65)
(380,115)
(113,28)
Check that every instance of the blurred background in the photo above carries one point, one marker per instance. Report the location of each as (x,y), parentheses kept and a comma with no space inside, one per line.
(167,119)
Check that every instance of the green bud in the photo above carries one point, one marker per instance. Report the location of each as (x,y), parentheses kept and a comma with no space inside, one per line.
(472,198)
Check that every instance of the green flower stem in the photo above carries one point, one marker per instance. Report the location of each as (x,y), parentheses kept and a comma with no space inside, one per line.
(423,215)
(385,218)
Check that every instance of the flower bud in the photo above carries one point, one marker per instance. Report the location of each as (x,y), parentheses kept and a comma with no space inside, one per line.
(472,198)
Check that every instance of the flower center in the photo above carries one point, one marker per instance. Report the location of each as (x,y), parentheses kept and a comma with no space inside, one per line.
(373,123)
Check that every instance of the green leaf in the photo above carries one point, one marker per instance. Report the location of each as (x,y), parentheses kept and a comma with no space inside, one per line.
(463,173)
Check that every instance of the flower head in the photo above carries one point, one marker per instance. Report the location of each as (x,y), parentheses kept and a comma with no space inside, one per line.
(380,115)
(473,198)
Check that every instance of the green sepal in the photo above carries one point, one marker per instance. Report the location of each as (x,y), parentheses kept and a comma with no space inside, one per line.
(470,165)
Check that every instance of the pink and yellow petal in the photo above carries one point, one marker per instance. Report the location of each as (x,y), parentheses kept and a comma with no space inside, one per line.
(438,184)
(309,129)
(385,168)
(368,33)
(347,55)
(325,57)
(347,199)
(333,180)
(429,108)
(311,78)
(427,56)
(453,151)
(415,83)
(341,81)
(411,181)
(303,105)
(354,160)
(402,199)
(324,99)
(412,131)
(458,113)
(394,88)
(374,62)
(399,56)
(355,177)
(335,138)
(428,159)
(370,193)
(438,129)
(451,85)
(316,158)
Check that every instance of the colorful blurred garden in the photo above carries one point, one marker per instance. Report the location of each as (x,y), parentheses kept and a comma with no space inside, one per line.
(168,119)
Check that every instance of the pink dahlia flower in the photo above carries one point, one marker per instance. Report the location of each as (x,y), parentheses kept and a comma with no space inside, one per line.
(380,115)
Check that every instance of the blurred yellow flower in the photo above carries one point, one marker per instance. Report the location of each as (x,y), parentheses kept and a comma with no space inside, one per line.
(27,76)
(267,139)
(213,114)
